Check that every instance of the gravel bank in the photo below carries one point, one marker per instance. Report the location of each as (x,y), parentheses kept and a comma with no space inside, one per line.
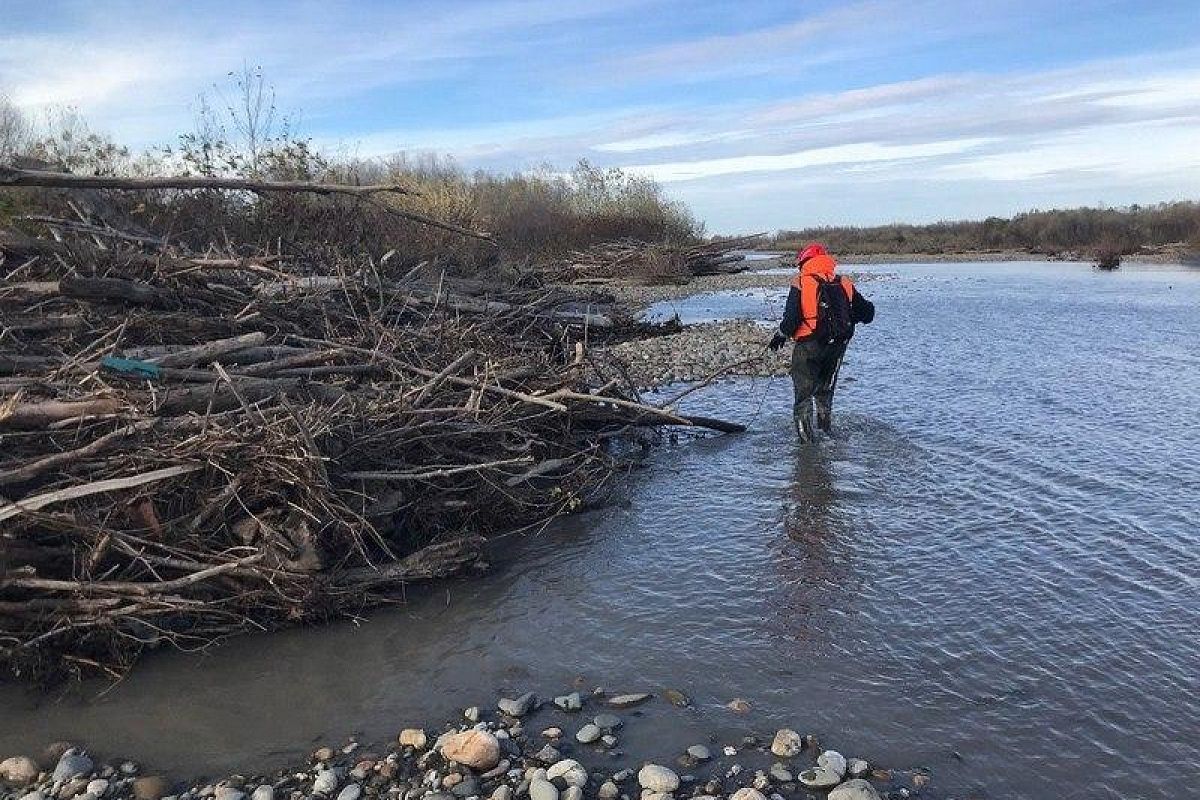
(641,296)
(565,749)
(699,351)
(738,347)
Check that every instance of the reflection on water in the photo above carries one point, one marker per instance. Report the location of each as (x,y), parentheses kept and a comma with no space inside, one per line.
(989,571)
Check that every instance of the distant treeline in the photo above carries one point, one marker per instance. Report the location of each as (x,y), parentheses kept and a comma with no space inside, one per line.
(1084,231)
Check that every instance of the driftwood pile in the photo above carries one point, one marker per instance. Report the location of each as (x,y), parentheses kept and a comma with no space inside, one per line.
(194,447)
(641,262)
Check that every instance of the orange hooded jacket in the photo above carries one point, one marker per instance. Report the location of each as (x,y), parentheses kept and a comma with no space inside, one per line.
(817,268)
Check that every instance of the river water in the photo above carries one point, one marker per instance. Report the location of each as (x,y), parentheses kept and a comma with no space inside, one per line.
(990,571)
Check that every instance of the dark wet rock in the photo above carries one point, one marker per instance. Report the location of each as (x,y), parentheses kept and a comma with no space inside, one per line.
(518,707)
(677,698)
(607,722)
(468,787)
(548,755)
(72,764)
(569,702)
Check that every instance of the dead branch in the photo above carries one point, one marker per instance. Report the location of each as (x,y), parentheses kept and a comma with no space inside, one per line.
(11,176)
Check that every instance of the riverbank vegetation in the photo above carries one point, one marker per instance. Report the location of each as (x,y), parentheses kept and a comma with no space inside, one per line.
(1165,228)
(531,216)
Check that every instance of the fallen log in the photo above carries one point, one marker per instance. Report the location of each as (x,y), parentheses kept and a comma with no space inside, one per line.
(649,415)
(40,501)
(16,364)
(134,588)
(176,401)
(11,176)
(210,351)
(435,561)
(33,469)
(118,290)
(41,413)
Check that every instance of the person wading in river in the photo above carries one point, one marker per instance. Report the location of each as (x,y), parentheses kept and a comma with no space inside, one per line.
(822,310)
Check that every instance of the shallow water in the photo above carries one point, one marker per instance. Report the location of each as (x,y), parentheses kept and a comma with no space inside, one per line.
(995,557)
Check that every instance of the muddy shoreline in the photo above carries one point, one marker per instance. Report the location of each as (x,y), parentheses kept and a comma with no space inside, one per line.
(567,747)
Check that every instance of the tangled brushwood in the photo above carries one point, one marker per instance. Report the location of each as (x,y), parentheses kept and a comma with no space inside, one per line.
(196,445)
(630,260)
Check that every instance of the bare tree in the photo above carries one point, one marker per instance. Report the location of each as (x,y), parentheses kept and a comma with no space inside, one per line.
(15,130)
(252,113)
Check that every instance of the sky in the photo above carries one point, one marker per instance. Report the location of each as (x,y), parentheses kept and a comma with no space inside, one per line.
(759,114)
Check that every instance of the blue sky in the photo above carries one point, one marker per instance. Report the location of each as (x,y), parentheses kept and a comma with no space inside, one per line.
(759,114)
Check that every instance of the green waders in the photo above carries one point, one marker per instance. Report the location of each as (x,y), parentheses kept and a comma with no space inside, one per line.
(814,372)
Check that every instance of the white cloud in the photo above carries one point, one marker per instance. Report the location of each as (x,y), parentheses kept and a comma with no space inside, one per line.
(1121,150)
(849,154)
(733,50)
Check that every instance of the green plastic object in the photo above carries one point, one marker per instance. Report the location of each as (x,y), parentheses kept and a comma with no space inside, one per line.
(131,367)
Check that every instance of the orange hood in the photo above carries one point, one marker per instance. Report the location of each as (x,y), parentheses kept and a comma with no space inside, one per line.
(820,266)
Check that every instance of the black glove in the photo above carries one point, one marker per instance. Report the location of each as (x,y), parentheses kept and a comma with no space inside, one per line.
(777,341)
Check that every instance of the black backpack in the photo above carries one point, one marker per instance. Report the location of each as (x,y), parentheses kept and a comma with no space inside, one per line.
(834,320)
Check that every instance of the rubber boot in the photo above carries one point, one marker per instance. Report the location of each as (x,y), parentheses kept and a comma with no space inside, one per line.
(802,412)
(824,412)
